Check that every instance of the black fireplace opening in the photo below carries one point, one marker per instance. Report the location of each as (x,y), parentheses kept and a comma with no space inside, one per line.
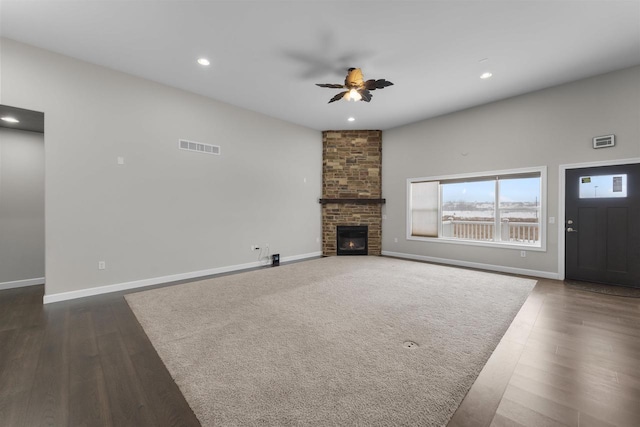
(352,240)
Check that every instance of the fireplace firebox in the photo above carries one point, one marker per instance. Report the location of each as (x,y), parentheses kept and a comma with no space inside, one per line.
(352,240)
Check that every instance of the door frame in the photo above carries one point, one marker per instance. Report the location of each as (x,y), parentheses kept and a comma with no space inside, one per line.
(561,201)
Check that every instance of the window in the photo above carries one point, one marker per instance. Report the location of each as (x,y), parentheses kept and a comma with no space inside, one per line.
(503,208)
(603,186)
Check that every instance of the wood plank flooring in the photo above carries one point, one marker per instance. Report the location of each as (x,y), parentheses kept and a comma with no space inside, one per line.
(570,358)
(81,363)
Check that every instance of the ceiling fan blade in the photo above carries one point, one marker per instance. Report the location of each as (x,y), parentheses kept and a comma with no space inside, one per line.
(366,95)
(338,96)
(331,85)
(377,84)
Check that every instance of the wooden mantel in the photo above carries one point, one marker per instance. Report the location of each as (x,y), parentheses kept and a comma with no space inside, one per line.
(354,201)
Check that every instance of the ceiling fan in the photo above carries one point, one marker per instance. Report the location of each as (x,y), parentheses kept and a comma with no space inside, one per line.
(357,88)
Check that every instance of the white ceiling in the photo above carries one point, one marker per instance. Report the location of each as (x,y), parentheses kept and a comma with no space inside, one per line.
(267,56)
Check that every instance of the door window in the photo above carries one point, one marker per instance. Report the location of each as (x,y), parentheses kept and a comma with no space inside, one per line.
(603,186)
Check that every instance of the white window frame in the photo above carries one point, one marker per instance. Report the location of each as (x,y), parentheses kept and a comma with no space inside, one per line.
(542,170)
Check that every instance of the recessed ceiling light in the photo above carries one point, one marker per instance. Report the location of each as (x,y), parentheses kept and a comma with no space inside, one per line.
(351,119)
(486,75)
(203,61)
(10,119)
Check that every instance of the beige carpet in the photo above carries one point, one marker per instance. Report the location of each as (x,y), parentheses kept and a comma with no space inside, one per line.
(330,341)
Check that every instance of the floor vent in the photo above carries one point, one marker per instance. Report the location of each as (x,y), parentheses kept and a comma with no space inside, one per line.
(604,141)
(199,147)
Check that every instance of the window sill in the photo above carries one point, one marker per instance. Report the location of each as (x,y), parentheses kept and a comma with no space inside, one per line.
(541,247)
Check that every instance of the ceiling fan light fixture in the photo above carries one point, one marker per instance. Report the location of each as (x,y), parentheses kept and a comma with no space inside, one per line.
(353,95)
(357,89)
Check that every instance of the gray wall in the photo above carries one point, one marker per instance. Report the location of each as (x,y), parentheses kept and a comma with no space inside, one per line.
(545,128)
(165,211)
(21,206)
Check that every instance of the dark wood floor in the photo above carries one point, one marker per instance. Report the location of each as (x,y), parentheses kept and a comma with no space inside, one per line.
(569,358)
(81,363)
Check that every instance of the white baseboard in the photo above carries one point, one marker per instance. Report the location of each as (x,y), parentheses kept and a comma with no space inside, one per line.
(478,265)
(21,283)
(81,293)
(301,256)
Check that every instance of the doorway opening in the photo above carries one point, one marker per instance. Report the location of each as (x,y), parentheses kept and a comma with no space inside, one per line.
(22,246)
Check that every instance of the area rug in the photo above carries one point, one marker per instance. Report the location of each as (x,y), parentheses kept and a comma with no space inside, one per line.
(333,341)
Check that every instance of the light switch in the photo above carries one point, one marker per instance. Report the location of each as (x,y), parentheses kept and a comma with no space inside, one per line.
(552,220)
(121,160)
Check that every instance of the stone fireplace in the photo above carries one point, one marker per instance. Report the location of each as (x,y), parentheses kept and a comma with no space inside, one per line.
(351,188)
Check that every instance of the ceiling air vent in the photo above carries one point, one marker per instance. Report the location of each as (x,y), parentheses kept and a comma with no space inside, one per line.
(198,147)
(604,141)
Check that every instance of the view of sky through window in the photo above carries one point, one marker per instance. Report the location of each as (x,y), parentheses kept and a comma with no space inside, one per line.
(477,191)
(523,190)
(511,190)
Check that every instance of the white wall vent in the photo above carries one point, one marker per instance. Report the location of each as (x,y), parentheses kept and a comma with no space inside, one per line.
(604,141)
(199,147)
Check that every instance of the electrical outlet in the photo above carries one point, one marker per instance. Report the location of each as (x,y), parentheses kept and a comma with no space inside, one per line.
(384,217)
(523,254)
(317,240)
(395,240)
(102,265)
(552,220)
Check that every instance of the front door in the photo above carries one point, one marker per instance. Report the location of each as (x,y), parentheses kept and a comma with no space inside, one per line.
(602,224)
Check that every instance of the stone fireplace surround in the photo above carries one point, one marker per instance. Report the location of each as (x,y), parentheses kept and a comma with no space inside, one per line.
(351,185)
